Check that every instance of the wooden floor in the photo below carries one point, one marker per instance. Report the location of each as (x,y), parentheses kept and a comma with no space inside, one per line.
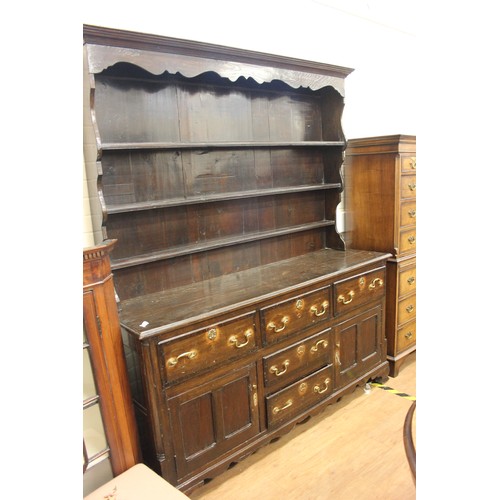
(352,451)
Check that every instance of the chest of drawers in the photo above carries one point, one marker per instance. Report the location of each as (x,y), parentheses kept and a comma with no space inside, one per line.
(382,215)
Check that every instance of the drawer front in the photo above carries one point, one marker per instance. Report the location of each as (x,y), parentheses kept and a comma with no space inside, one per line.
(407,336)
(291,316)
(408,241)
(409,164)
(290,402)
(408,214)
(407,280)
(295,361)
(352,292)
(407,309)
(200,349)
(408,186)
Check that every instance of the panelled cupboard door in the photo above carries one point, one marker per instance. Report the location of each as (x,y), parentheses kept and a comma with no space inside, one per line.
(213,418)
(359,345)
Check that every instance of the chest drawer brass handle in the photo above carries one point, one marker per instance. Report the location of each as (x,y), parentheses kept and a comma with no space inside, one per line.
(413,164)
(277,409)
(408,335)
(411,280)
(274,369)
(412,186)
(273,326)
(374,283)
(324,307)
(233,340)
(190,355)
(342,300)
(318,389)
(412,213)
(410,308)
(411,239)
(322,342)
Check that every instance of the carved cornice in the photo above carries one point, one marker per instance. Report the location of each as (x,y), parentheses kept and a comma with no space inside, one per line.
(158,54)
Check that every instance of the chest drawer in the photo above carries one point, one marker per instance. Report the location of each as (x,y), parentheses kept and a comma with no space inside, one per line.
(407,280)
(407,336)
(290,316)
(352,292)
(200,349)
(407,309)
(295,361)
(408,186)
(408,241)
(408,214)
(308,391)
(408,164)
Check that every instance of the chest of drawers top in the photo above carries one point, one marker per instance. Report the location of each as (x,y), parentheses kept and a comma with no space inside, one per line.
(175,310)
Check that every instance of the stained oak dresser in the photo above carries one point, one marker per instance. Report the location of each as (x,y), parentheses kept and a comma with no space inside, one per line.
(242,312)
(381,203)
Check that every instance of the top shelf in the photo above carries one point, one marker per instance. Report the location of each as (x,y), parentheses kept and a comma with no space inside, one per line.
(122,146)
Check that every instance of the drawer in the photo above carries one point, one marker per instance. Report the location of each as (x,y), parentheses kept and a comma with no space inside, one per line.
(408,164)
(290,402)
(407,336)
(407,309)
(408,213)
(408,186)
(293,315)
(352,292)
(408,241)
(214,344)
(300,358)
(407,280)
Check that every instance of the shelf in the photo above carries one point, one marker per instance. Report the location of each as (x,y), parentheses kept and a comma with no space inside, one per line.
(210,198)
(125,146)
(214,244)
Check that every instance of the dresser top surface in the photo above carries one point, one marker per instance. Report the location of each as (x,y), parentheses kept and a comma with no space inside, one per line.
(161,312)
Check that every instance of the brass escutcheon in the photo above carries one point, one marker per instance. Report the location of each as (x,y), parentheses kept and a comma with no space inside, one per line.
(302,388)
(212,333)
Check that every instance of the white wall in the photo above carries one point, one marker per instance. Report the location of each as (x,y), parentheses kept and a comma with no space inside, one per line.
(374,37)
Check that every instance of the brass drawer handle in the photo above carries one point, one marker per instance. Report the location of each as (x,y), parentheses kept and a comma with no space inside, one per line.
(277,409)
(318,389)
(233,340)
(411,239)
(413,164)
(322,342)
(374,283)
(411,280)
(342,300)
(408,335)
(410,308)
(190,355)
(412,213)
(324,307)
(273,326)
(412,186)
(274,369)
